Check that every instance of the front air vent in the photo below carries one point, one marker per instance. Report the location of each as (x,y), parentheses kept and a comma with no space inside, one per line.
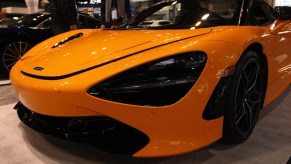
(68,39)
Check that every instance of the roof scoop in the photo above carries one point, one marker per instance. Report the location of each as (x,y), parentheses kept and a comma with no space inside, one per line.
(68,39)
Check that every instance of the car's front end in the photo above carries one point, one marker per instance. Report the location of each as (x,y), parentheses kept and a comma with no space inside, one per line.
(165,86)
(137,86)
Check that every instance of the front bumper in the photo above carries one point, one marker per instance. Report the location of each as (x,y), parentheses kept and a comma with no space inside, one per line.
(103,132)
(172,130)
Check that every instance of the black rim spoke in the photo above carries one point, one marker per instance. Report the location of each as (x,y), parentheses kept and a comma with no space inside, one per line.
(253,79)
(11,64)
(20,48)
(240,111)
(10,60)
(9,49)
(249,115)
(16,49)
(25,49)
(244,80)
(240,114)
(11,56)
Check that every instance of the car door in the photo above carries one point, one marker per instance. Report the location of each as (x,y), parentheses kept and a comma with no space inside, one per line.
(278,42)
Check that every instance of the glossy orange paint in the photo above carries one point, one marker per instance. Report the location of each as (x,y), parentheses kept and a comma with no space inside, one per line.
(172,129)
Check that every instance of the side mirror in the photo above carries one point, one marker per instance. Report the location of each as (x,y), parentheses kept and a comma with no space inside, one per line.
(117,22)
(283,12)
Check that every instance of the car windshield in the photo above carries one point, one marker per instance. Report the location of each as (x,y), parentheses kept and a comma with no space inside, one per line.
(185,14)
(30,20)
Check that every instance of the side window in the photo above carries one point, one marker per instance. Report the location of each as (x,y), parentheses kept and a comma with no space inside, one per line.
(93,23)
(260,14)
(82,21)
(270,10)
(88,22)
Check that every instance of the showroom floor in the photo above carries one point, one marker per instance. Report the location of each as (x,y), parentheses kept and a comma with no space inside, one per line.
(270,142)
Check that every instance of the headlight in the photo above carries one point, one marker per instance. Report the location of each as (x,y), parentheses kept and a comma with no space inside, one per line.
(158,83)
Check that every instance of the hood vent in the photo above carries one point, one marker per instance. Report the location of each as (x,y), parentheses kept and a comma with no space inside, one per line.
(68,39)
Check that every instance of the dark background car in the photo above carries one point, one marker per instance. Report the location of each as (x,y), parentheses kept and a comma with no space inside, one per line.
(6,18)
(17,37)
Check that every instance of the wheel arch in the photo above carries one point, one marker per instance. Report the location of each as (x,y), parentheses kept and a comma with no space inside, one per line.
(259,49)
(209,113)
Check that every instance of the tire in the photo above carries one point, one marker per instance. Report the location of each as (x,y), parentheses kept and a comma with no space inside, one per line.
(10,53)
(245,100)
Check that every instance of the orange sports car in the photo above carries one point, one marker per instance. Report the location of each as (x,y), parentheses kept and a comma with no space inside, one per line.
(168,89)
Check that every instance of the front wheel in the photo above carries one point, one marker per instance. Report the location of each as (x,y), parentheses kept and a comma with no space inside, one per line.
(11,52)
(245,99)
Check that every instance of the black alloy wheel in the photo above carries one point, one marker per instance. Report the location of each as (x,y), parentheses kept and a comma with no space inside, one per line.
(11,53)
(245,100)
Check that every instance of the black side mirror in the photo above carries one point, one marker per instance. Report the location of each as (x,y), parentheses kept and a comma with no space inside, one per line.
(283,12)
(117,22)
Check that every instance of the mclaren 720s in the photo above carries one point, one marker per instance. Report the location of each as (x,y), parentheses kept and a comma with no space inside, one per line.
(171,88)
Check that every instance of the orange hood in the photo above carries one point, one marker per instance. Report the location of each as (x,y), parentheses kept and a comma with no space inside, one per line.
(98,47)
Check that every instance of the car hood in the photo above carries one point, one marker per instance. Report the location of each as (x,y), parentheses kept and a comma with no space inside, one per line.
(98,48)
